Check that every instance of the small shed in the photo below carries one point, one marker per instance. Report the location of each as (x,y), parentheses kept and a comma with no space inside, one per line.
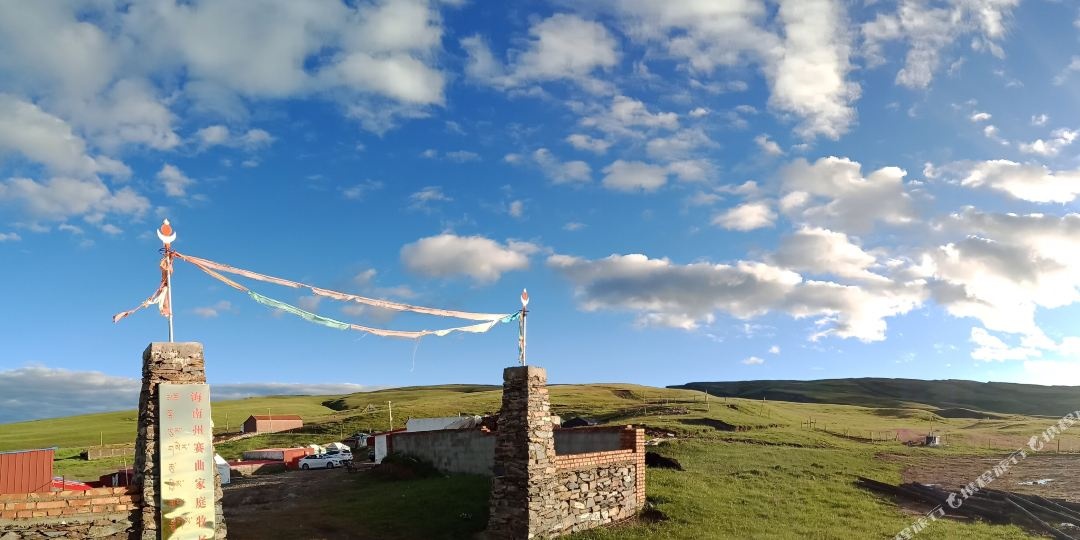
(26,471)
(267,423)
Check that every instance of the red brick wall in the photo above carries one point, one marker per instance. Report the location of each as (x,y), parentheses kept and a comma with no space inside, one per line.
(66,503)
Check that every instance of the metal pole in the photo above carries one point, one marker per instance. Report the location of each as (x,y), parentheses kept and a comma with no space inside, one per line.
(168,285)
(521,325)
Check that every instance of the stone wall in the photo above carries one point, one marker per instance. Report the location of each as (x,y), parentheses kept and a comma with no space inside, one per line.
(451,450)
(108,451)
(164,363)
(538,494)
(107,513)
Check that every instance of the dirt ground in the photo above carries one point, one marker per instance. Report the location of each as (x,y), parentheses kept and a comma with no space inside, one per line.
(248,500)
(1062,471)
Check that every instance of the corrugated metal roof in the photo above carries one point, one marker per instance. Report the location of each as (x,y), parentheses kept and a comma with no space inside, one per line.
(275,417)
(53,448)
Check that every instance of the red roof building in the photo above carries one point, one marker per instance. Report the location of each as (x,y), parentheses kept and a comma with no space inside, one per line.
(265,423)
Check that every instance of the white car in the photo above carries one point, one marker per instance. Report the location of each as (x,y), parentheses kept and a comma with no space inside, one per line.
(323,461)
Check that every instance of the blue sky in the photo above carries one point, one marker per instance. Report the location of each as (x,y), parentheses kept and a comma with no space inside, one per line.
(691,190)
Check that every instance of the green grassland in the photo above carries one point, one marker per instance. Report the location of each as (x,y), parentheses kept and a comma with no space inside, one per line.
(754,468)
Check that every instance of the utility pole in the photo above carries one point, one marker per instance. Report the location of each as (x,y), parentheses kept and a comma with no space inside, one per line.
(390,407)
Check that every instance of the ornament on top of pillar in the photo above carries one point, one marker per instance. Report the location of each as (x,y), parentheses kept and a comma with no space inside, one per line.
(167,235)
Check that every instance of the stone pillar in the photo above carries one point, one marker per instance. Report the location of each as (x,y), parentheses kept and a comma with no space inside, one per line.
(163,363)
(522,492)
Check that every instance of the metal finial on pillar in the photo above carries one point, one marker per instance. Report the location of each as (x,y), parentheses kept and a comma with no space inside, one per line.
(167,236)
(521,326)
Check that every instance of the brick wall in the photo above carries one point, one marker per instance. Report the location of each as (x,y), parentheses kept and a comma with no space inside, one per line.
(97,513)
(450,450)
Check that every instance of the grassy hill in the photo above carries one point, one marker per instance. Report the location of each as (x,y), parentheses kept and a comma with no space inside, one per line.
(753,467)
(1008,398)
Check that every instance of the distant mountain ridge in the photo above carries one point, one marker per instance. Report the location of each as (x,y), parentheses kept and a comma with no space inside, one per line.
(1007,398)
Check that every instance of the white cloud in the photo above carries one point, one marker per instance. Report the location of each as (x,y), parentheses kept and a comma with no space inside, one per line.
(561,47)
(573,226)
(60,198)
(1048,372)
(991,132)
(629,117)
(309,303)
(832,193)
(482,259)
(116,72)
(36,391)
(990,348)
(209,312)
(1029,182)
(591,144)
(462,156)
(457,156)
(810,77)
(357,192)
(825,252)
(685,296)
(768,145)
(929,30)
(1060,138)
(516,209)
(754,361)
(746,217)
(1008,267)
(806,65)
(692,170)
(775,349)
(1039,119)
(634,176)
(980,117)
(9,237)
(174,181)
(422,200)
(699,112)
(213,135)
(1073,67)
(561,172)
(681,145)
(47,139)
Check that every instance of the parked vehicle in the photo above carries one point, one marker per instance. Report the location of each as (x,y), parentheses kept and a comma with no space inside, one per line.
(324,461)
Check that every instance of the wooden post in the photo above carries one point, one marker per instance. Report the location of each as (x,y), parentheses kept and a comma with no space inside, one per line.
(390,407)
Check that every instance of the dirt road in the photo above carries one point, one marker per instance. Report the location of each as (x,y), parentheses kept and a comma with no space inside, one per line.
(285,505)
(1048,475)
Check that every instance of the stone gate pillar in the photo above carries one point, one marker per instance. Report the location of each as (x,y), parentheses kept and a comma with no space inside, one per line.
(164,363)
(522,492)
